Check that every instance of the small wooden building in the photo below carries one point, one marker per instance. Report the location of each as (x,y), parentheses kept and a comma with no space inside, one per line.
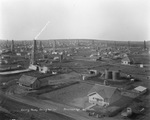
(127,60)
(103,95)
(140,89)
(29,81)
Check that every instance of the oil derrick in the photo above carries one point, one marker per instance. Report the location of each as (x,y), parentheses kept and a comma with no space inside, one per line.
(106,44)
(7,46)
(144,45)
(54,46)
(49,43)
(41,47)
(25,46)
(12,46)
(78,43)
(93,42)
(128,44)
(115,44)
(33,55)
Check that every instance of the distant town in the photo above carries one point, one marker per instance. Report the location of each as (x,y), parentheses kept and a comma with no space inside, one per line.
(74,79)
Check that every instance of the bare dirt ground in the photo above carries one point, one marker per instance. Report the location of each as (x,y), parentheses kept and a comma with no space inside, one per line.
(26,112)
(74,95)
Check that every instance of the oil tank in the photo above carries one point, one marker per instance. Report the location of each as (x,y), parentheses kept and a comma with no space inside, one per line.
(108,74)
(116,75)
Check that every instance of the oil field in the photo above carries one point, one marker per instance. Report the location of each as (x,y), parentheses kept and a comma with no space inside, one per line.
(74,60)
(74,79)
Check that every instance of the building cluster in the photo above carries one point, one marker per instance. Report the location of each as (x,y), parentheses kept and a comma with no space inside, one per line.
(103,95)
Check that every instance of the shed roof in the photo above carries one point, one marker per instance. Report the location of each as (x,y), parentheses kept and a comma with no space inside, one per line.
(27,80)
(142,59)
(127,58)
(140,88)
(102,90)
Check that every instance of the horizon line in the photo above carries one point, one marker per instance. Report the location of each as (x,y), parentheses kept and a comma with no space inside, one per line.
(73,39)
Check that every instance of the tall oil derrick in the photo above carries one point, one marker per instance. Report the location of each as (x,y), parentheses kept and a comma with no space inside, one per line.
(115,44)
(33,54)
(49,43)
(25,45)
(128,44)
(54,46)
(7,44)
(106,43)
(12,46)
(145,45)
(78,42)
(41,47)
(93,42)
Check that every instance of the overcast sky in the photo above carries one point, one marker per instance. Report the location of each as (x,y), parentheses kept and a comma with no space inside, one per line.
(92,19)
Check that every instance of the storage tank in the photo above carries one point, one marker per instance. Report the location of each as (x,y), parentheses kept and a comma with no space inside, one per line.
(116,75)
(108,74)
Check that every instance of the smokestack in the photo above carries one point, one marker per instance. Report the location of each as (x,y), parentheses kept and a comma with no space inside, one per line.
(33,55)
(12,46)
